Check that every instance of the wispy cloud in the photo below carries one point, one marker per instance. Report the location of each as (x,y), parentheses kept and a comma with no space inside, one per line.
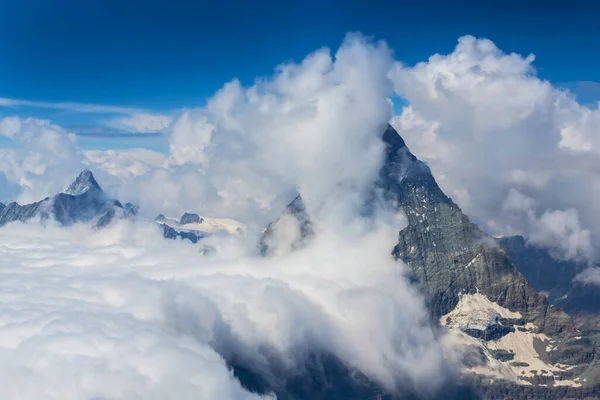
(107,132)
(128,119)
(74,107)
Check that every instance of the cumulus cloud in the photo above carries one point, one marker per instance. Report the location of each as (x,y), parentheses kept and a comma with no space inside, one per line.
(517,154)
(44,160)
(122,312)
(481,118)
(304,128)
(125,163)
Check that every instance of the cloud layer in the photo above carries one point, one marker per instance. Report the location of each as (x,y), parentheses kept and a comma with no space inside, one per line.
(122,313)
(516,153)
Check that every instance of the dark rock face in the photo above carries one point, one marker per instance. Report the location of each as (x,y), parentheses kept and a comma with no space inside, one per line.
(83,201)
(320,375)
(172,233)
(447,252)
(503,355)
(131,209)
(492,332)
(555,277)
(188,218)
(544,272)
(15,212)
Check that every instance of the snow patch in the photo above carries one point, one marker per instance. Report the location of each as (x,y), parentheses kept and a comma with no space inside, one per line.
(476,311)
(208,225)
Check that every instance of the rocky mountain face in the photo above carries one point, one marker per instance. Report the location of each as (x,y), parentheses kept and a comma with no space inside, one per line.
(83,201)
(512,337)
(189,218)
(556,278)
(172,233)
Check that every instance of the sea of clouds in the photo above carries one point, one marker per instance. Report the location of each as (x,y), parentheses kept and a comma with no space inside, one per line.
(122,313)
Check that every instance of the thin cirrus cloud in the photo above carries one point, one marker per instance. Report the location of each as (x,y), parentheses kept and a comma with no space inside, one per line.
(126,119)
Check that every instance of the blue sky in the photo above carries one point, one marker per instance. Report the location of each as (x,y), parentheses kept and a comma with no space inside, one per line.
(164,55)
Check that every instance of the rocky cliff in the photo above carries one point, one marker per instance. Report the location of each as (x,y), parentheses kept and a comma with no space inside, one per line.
(472,287)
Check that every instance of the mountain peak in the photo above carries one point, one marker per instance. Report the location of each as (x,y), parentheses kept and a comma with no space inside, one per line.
(84,182)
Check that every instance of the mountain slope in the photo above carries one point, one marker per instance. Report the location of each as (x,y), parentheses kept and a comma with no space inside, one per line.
(83,201)
(471,285)
(557,279)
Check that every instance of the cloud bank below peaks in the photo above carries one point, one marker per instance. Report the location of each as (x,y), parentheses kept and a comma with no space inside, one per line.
(519,155)
(121,311)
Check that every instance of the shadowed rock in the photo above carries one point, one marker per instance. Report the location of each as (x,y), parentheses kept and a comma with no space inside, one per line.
(189,218)
(83,201)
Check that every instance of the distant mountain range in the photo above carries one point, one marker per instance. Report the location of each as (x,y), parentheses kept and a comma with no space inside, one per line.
(84,201)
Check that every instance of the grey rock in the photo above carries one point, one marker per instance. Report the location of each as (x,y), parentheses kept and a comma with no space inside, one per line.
(83,201)
(189,218)
(84,182)
(503,355)
(556,277)
(172,233)
(131,209)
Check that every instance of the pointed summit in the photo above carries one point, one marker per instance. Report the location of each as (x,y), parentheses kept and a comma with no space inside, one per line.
(84,182)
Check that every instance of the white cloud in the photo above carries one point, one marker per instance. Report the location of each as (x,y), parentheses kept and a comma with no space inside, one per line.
(133,120)
(142,123)
(589,276)
(303,128)
(44,161)
(490,128)
(67,106)
(125,163)
(122,312)
(562,230)
(483,120)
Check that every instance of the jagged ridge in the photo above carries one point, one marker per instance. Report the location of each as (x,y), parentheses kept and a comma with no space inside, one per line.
(450,256)
(83,201)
